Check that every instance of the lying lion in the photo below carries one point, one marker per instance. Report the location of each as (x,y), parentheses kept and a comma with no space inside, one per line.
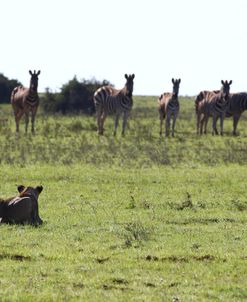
(23,208)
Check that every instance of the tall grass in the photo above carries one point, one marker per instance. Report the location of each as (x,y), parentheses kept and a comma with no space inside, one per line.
(73,139)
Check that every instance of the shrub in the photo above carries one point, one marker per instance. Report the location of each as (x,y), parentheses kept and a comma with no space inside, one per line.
(75,97)
(6,87)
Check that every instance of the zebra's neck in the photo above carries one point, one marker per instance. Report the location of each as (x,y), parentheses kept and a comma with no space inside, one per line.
(127,92)
(32,90)
(32,97)
(174,98)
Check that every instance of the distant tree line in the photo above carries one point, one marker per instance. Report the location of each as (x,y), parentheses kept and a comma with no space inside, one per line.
(74,97)
(6,87)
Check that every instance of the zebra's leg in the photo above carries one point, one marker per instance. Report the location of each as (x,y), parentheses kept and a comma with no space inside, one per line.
(198,119)
(26,120)
(102,120)
(168,118)
(222,124)
(216,130)
(173,124)
(17,120)
(116,124)
(201,124)
(125,118)
(235,124)
(18,116)
(206,124)
(33,121)
(34,111)
(214,126)
(162,117)
(98,118)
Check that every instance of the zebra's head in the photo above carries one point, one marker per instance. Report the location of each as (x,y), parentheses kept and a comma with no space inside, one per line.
(225,89)
(175,87)
(34,80)
(129,84)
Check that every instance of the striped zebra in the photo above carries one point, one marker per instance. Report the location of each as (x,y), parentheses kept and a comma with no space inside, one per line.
(110,100)
(26,100)
(215,105)
(202,119)
(168,106)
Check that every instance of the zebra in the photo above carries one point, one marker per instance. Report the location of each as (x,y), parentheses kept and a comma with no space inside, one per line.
(26,100)
(215,105)
(168,106)
(203,95)
(110,100)
(237,105)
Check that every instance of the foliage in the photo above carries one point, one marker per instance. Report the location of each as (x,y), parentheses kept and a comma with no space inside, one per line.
(6,87)
(75,97)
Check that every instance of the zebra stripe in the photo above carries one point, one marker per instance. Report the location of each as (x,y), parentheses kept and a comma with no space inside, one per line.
(32,98)
(109,100)
(168,106)
(26,100)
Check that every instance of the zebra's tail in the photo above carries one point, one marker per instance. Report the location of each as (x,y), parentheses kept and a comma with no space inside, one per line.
(14,91)
(160,98)
(198,99)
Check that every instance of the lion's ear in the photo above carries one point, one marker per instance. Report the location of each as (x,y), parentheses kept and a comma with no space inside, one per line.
(39,189)
(20,188)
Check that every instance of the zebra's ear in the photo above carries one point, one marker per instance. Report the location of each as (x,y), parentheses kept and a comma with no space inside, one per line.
(172,81)
(38,73)
(30,72)
(230,82)
(133,76)
(126,76)
(222,82)
(179,81)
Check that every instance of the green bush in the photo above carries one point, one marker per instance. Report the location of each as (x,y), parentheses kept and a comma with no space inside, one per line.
(6,87)
(75,97)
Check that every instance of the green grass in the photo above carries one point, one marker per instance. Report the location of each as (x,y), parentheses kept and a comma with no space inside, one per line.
(140,218)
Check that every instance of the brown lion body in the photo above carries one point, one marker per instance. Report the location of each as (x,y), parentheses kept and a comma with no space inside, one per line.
(22,208)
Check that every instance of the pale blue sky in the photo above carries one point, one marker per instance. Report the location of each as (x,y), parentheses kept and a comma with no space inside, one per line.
(200,41)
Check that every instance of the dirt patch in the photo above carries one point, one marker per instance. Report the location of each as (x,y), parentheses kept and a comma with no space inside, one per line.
(183,259)
(16,257)
(204,258)
(78,285)
(119,281)
(102,260)
(149,284)
(152,258)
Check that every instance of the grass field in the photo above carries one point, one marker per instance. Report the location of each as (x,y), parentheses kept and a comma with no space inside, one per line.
(139,218)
